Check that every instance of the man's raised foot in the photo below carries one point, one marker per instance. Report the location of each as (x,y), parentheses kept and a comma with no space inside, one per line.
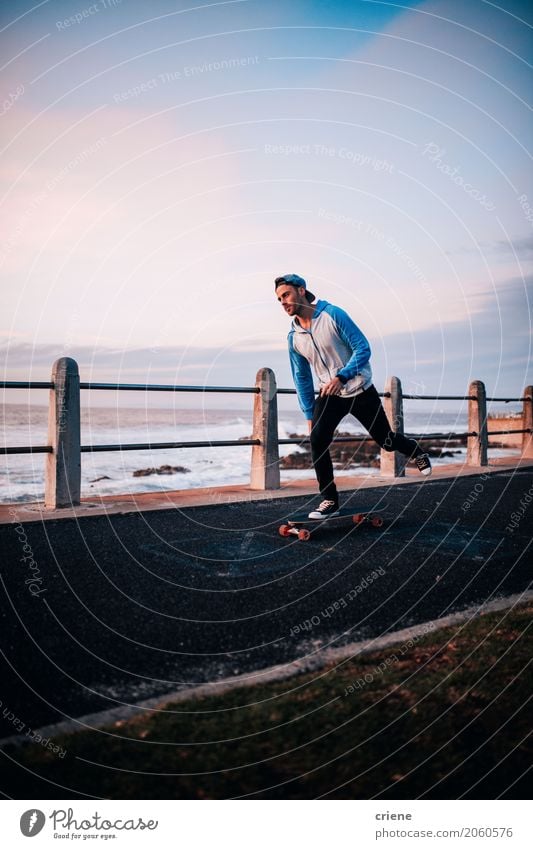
(423,464)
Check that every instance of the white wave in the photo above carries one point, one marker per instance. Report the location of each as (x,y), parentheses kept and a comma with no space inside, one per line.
(22,476)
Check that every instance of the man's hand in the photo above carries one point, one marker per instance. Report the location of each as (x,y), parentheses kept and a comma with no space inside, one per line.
(334,387)
(309,425)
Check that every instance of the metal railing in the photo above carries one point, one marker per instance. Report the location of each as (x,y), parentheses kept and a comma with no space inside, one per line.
(63,461)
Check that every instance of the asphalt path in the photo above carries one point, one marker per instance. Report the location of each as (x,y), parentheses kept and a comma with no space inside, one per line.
(104,611)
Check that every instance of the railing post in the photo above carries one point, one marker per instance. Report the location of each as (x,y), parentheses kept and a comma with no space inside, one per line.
(527,422)
(476,446)
(392,464)
(265,457)
(63,465)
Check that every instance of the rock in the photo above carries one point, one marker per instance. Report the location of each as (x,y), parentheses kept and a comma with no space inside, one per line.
(298,460)
(101,478)
(162,470)
(172,470)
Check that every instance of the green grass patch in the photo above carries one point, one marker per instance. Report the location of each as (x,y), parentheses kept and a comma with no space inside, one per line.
(444,716)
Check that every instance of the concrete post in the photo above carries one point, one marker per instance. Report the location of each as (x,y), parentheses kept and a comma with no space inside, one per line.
(392,464)
(527,423)
(63,465)
(476,447)
(265,457)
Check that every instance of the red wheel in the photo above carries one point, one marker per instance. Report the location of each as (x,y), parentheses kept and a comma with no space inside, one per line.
(377,521)
(359,518)
(284,531)
(304,534)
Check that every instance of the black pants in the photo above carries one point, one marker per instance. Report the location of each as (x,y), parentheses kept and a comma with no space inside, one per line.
(368,409)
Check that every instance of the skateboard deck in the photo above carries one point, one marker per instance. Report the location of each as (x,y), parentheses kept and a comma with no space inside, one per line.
(301,526)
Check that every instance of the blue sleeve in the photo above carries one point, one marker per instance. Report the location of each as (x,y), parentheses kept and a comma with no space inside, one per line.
(303,380)
(354,339)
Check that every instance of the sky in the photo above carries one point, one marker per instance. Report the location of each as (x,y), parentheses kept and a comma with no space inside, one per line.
(162,163)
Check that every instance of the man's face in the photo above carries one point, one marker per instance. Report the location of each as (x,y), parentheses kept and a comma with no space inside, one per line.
(291,298)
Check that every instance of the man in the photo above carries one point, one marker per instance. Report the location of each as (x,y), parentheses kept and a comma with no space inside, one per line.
(325,337)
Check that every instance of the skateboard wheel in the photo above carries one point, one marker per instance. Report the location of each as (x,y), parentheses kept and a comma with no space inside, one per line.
(377,521)
(304,534)
(359,518)
(284,531)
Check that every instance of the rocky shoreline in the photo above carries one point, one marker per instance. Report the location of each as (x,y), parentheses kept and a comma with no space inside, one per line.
(349,455)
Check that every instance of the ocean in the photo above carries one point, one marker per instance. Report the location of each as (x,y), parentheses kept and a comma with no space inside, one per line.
(112,473)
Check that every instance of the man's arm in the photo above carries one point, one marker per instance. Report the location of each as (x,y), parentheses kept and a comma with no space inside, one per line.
(303,380)
(355,340)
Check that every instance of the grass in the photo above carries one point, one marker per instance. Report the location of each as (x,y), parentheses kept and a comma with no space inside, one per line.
(443,717)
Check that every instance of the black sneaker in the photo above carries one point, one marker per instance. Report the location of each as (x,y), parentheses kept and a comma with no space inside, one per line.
(423,464)
(325,508)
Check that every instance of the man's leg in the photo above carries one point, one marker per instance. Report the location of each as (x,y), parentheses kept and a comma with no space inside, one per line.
(367,407)
(329,410)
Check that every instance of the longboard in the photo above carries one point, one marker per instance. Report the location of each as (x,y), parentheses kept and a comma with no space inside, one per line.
(303,527)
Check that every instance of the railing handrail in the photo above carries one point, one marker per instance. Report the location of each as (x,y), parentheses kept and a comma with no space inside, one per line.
(163,387)
(26,384)
(129,387)
(457,398)
(224,443)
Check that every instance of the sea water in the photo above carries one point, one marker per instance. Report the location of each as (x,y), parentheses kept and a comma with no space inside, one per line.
(111,473)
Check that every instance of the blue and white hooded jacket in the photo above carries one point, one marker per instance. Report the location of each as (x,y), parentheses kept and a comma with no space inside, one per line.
(334,347)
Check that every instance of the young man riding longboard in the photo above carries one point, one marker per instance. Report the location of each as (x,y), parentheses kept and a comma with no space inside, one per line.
(324,337)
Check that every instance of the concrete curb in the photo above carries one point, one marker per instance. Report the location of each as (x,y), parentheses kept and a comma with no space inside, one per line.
(111,505)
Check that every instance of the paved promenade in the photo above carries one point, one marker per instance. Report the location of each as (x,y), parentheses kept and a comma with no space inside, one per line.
(134,598)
